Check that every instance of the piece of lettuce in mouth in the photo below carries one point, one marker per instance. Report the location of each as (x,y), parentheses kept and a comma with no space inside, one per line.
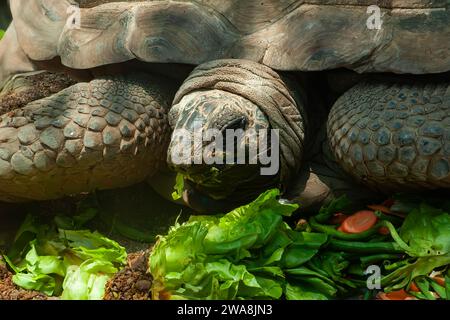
(210,179)
(212,176)
(2,33)
(72,264)
(179,187)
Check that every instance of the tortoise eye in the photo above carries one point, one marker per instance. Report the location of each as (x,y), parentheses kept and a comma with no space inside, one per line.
(238,123)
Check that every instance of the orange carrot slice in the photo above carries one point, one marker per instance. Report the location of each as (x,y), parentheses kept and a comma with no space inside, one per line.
(394,295)
(359,222)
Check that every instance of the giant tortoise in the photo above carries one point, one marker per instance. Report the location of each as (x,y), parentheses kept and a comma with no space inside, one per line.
(258,65)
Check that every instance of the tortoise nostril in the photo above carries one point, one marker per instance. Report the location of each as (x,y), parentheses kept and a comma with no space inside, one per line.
(238,123)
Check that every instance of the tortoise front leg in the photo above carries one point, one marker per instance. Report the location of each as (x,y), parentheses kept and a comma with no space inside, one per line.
(393,136)
(111,132)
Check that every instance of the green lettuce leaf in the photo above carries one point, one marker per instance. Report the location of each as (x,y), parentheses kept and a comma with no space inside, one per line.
(74,263)
(87,244)
(179,187)
(205,258)
(43,264)
(249,226)
(297,292)
(402,277)
(37,282)
(427,231)
(87,281)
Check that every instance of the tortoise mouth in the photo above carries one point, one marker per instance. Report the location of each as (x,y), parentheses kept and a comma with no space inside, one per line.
(222,198)
(233,174)
(220,183)
(207,187)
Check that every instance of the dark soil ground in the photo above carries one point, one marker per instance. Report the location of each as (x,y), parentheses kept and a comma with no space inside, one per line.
(38,86)
(133,282)
(9,291)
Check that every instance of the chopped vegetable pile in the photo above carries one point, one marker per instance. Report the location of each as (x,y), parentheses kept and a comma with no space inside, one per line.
(395,251)
(251,253)
(55,260)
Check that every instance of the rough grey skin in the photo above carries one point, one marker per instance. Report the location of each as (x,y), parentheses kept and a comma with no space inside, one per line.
(107,133)
(394,136)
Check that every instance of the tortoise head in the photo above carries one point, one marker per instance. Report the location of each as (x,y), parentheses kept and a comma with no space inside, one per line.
(215,146)
(224,141)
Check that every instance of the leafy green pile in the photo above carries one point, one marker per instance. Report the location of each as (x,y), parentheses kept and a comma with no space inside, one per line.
(251,253)
(421,245)
(73,264)
(198,259)
(425,238)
